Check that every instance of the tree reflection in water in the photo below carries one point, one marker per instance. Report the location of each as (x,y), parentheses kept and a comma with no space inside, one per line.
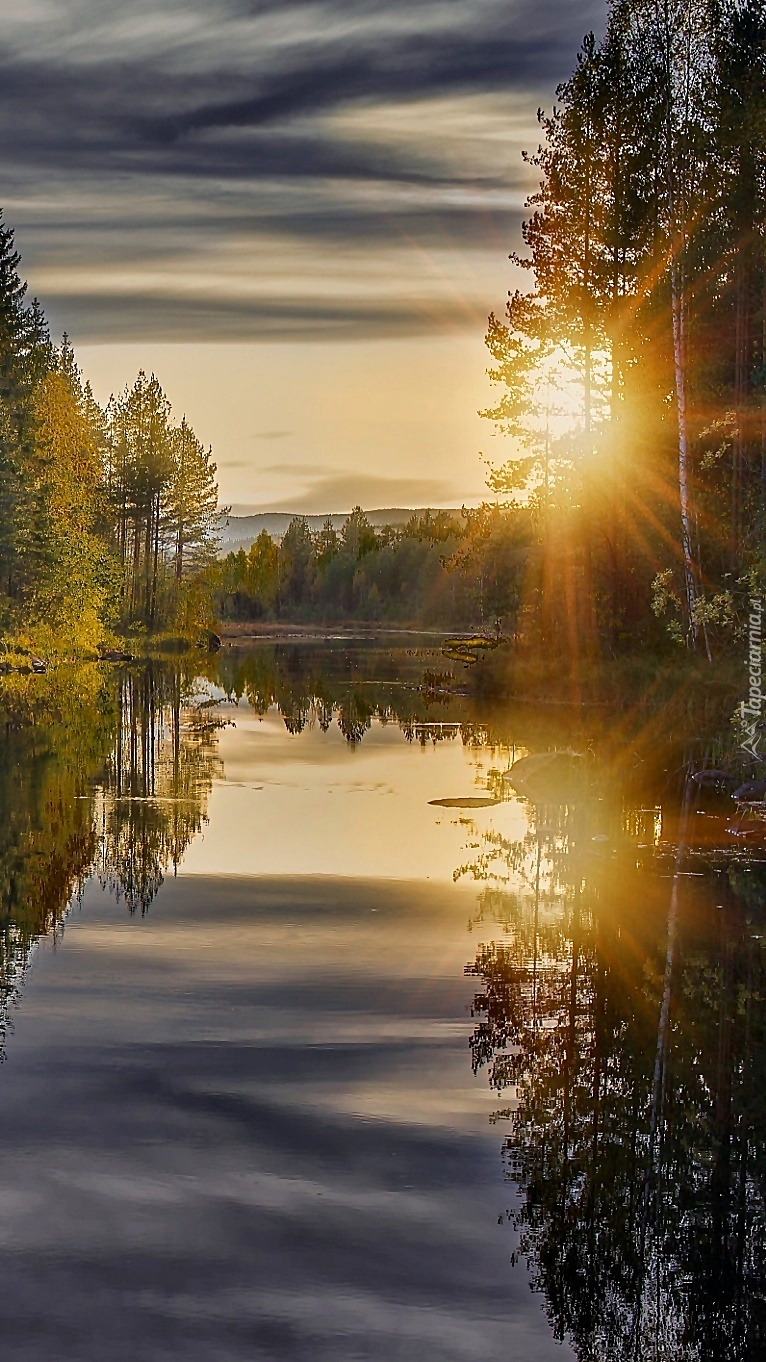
(98,772)
(342,683)
(109,771)
(152,798)
(55,733)
(623,1012)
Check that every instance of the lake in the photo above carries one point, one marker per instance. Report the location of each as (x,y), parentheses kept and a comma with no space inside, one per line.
(328,1037)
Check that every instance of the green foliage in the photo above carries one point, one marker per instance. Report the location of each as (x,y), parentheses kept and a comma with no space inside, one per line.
(631,373)
(25,358)
(106,518)
(161,504)
(436,570)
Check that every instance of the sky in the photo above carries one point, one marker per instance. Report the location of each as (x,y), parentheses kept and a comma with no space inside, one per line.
(298,214)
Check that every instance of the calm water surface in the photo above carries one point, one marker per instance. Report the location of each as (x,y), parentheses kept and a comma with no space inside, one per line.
(323,1041)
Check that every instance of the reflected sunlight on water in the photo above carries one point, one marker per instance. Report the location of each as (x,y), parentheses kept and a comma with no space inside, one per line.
(312,803)
(344,1029)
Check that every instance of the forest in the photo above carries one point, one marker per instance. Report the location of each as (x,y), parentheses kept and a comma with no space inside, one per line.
(626,510)
(107,515)
(629,376)
(436,570)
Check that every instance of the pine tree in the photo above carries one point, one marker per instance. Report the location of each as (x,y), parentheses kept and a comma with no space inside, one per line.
(191,503)
(25,357)
(141,466)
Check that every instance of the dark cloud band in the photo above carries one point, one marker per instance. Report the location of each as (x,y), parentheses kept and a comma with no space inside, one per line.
(116,317)
(229,120)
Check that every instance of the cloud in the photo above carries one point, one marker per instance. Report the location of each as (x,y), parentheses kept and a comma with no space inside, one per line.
(133,134)
(337,491)
(288,467)
(111,317)
(181,1179)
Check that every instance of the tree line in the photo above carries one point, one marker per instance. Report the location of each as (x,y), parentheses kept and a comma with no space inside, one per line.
(437,569)
(630,375)
(107,515)
(630,381)
(632,372)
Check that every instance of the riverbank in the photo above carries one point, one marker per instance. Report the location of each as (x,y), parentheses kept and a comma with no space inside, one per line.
(252,631)
(495,667)
(36,651)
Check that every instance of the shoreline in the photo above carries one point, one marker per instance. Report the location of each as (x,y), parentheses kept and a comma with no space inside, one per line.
(246,631)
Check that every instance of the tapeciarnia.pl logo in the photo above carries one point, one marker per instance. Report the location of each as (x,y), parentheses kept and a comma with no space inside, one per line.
(752,709)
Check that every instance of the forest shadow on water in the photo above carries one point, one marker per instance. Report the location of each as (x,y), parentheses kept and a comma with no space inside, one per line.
(616,987)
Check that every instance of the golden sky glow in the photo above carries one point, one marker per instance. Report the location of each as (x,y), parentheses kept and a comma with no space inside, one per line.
(298,215)
(319,427)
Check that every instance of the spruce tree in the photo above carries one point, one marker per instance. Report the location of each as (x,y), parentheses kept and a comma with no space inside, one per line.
(26,356)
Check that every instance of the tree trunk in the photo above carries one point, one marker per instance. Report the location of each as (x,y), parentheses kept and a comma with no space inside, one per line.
(181,528)
(763,397)
(589,621)
(134,586)
(679,365)
(148,557)
(155,560)
(741,348)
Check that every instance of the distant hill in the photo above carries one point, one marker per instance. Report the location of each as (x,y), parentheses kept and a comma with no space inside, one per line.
(240,531)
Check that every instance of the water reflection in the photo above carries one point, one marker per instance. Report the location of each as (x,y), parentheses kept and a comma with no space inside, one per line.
(99,772)
(52,744)
(110,771)
(151,800)
(619,981)
(621,1010)
(350,683)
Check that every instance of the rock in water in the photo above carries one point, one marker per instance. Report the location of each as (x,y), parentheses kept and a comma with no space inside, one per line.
(37,665)
(752,792)
(549,777)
